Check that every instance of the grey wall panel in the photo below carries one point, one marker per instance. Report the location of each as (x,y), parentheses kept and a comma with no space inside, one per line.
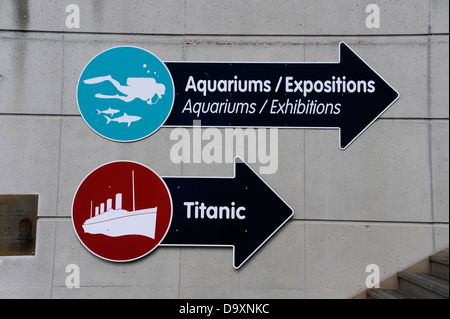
(383,200)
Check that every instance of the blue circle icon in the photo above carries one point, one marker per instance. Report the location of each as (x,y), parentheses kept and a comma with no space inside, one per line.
(125,93)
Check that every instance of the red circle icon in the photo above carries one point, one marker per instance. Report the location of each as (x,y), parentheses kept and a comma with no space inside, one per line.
(121,211)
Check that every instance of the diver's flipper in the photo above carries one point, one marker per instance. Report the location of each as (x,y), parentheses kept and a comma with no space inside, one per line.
(97,79)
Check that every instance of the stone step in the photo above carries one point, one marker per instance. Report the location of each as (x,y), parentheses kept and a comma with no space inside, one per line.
(377,293)
(439,266)
(422,285)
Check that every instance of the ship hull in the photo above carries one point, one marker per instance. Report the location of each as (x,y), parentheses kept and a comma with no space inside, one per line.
(124,223)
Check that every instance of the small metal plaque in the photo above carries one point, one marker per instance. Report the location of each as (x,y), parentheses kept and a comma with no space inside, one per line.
(18,218)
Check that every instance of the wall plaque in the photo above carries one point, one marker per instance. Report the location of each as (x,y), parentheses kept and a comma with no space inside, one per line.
(18,218)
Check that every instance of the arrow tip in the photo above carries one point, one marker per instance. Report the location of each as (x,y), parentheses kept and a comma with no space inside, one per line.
(367,109)
(266,214)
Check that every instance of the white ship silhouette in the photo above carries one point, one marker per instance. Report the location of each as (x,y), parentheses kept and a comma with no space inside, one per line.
(120,222)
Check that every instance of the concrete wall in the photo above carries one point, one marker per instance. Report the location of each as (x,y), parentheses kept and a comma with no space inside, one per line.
(384,200)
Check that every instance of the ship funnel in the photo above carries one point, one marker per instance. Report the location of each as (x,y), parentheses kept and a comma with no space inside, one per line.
(108,204)
(102,208)
(118,201)
(96,211)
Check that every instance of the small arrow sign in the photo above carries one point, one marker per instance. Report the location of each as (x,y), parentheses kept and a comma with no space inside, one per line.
(348,95)
(242,212)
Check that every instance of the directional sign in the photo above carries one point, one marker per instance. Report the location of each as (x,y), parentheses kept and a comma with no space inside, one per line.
(242,212)
(123,210)
(127,93)
(347,95)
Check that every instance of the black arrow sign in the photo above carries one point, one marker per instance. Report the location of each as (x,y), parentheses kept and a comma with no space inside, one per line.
(348,95)
(242,212)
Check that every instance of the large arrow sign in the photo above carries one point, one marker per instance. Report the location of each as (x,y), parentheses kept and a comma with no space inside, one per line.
(242,212)
(348,95)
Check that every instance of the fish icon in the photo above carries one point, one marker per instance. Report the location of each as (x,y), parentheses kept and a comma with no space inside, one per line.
(109,111)
(125,118)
